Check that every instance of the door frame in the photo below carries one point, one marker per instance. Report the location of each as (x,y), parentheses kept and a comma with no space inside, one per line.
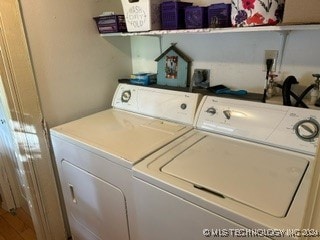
(28,126)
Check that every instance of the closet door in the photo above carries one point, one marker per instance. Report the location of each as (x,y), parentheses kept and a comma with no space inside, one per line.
(9,190)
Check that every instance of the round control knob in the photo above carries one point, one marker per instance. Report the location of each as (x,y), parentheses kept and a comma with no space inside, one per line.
(126,95)
(211,110)
(183,106)
(307,130)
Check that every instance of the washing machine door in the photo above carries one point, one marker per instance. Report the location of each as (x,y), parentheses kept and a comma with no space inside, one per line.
(258,176)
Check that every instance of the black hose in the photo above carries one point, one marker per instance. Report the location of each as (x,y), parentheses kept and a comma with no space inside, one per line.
(286,89)
(293,95)
(303,94)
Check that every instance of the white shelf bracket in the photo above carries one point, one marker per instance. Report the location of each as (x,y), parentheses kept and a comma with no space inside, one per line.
(284,35)
(160,43)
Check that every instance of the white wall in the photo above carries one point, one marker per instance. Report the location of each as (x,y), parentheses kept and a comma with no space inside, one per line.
(76,70)
(236,59)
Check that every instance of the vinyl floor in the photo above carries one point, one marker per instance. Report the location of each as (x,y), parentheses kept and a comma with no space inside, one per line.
(16,227)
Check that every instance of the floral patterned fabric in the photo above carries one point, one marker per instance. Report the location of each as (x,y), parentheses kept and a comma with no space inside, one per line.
(256,12)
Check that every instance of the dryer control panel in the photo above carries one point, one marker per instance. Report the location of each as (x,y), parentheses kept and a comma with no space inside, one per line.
(281,126)
(160,103)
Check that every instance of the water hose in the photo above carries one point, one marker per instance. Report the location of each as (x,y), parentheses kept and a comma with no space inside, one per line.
(269,63)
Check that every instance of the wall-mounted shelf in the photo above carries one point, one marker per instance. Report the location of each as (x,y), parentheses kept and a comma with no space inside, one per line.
(279,28)
(284,30)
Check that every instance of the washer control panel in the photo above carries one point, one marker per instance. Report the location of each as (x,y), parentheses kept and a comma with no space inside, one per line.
(307,129)
(160,103)
(282,126)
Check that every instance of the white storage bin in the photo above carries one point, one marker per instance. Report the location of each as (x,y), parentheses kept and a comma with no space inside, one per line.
(142,15)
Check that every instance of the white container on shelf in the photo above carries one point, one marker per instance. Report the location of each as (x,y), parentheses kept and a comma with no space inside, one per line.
(142,15)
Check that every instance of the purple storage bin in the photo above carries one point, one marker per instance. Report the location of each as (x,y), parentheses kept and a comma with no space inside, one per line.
(111,23)
(172,15)
(219,15)
(196,17)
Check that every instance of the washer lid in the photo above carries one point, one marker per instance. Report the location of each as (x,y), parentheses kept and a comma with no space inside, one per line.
(262,177)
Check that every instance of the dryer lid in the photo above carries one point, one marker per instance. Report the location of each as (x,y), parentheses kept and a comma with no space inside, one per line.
(125,135)
(259,176)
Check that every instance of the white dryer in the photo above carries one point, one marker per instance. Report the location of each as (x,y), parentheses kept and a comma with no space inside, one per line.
(95,154)
(245,171)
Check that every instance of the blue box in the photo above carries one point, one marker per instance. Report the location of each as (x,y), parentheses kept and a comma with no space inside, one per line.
(143,78)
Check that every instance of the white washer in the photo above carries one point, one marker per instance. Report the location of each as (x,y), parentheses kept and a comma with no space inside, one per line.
(247,165)
(95,154)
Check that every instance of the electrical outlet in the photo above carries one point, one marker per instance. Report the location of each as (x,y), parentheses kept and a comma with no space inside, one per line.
(270,54)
